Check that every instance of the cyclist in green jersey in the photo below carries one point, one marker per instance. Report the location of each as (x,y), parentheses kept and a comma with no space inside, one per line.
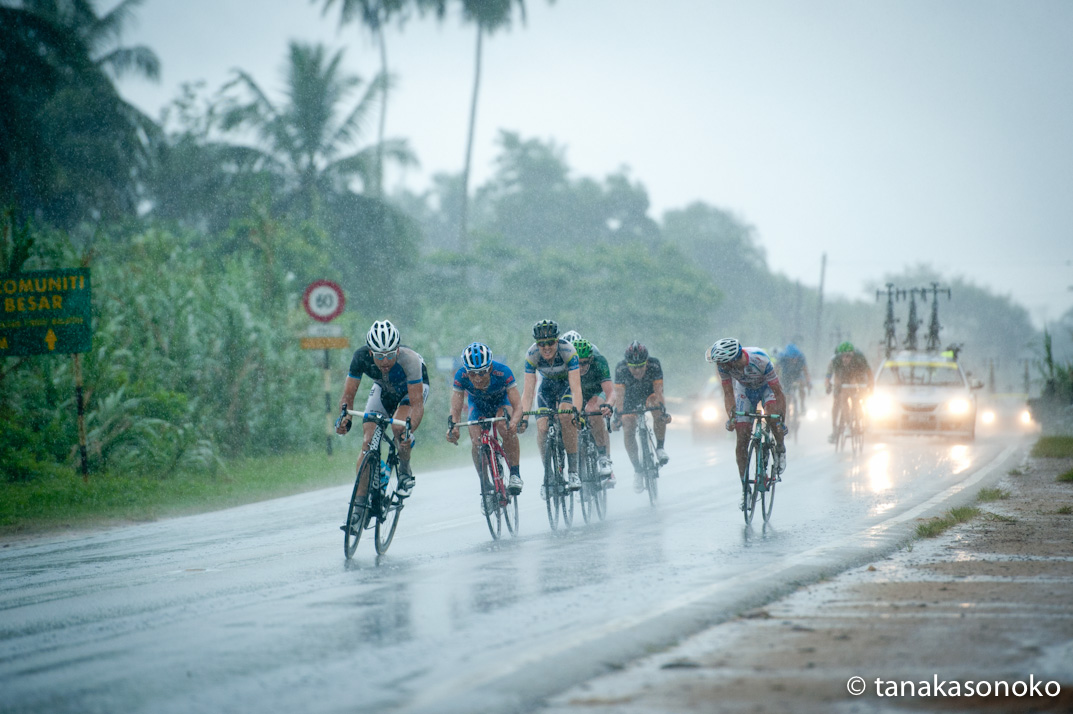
(596,378)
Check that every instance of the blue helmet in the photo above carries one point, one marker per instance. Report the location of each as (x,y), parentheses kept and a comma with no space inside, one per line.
(477,356)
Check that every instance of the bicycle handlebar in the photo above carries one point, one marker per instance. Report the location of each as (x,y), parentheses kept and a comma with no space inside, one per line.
(642,411)
(380,418)
(761,415)
(548,412)
(854,386)
(485,420)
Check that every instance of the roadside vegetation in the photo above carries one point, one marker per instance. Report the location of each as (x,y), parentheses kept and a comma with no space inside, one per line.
(201,242)
(1053,447)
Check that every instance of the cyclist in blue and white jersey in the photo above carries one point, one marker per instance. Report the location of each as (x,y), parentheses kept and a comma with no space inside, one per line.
(400,389)
(492,392)
(748,379)
(794,377)
(556,361)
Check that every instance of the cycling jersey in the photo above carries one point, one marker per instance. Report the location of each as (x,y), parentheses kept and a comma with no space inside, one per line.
(485,403)
(592,381)
(756,373)
(562,362)
(856,372)
(792,365)
(637,391)
(409,368)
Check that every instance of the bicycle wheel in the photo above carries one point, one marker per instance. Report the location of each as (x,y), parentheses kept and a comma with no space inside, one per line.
(588,475)
(770,478)
(552,476)
(599,496)
(488,493)
(390,510)
(508,503)
(566,496)
(753,465)
(650,463)
(357,513)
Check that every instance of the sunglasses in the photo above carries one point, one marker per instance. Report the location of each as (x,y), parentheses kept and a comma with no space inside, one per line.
(479,372)
(547,343)
(637,365)
(381,356)
(585,362)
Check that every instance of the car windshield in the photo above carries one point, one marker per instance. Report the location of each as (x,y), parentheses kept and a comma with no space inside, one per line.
(925,374)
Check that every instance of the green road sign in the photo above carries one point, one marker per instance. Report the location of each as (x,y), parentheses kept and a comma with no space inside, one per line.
(45,312)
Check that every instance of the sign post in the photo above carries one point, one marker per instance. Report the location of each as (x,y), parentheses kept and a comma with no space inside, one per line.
(324,301)
(49,312)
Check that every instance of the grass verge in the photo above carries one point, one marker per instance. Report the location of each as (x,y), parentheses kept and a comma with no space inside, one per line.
(63,501)
(988,495)
(1053,447)
(937,526)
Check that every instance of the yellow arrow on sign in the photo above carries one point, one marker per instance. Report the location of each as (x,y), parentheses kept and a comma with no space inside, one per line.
(50,338)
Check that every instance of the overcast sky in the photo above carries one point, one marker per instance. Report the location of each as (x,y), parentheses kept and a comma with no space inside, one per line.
(881,133)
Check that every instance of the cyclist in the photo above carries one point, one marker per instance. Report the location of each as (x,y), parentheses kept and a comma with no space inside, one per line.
(748,379)
(400,389)
(596,378)
(556,361)
(639,385)
(794,377)
(848,366)
(492,392)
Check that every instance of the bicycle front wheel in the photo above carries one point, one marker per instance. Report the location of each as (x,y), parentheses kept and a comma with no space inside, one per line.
(767,495)
(651,465)
(493,517)
(553,468)
(358,512)
(589,477)
(753,466)
(508,503)
(390,510)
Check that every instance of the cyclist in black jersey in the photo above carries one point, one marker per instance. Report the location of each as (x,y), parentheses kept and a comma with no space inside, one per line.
(400,388)
(639,384)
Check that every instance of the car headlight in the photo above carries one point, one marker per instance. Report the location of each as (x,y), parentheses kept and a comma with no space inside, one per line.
(879,406)
(958,406)
(709,414)
(988,417)
(1026,417)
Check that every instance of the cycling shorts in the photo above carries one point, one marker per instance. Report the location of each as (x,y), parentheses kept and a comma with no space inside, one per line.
(553,392)
(745,400)
(485,408)
(386,404)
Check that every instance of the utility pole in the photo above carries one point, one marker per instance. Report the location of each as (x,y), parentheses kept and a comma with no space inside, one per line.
(819,307)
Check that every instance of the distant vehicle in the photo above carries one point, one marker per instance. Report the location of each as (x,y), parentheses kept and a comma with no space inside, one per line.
(1006,412)
(709,415)
(923,393)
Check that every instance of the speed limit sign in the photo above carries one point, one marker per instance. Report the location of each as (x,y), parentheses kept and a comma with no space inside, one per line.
(323,300)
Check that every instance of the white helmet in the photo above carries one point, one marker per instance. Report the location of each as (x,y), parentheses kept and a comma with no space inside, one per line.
(570,336)
(725,350)
(382,337)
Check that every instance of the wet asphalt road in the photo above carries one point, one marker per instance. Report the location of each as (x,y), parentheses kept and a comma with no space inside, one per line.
(254,609)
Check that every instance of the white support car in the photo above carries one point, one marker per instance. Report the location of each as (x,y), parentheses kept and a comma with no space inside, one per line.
(923,393)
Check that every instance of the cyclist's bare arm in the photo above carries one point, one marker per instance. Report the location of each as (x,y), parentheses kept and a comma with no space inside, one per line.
(350,390)
(574,376)
(528,393)
(455,416)
(516,410)
(417,404)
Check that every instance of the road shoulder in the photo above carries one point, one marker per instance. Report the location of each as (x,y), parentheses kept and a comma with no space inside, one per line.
(987,602)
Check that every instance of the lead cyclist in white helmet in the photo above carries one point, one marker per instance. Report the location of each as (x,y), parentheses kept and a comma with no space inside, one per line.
(400,389)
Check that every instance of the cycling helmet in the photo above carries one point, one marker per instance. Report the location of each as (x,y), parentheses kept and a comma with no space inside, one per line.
(571,336)
(382,337)
(725,350)
(583,347)
(844,348)
(477,356)
(636,353)
(791,351)
(545,330)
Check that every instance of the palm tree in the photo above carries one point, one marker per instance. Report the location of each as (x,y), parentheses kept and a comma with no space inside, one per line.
(306,137)
(70,147)
(373,14)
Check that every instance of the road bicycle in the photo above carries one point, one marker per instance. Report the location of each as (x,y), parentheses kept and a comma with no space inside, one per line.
(493,472)
(760,477)
(646,437)
(379,507)
(850,429)
(795,409)
(559,498)
(593,485)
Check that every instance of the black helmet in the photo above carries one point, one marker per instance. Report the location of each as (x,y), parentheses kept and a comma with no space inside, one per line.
(545,330)
(636,353)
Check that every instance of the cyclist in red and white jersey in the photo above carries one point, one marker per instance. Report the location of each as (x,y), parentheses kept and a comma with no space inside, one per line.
(749,379)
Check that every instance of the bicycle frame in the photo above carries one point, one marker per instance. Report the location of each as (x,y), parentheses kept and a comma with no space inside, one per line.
(851,418)
(593,490)
(492,457)
(374,507)
(649,463)
(560,499)
(759,478)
